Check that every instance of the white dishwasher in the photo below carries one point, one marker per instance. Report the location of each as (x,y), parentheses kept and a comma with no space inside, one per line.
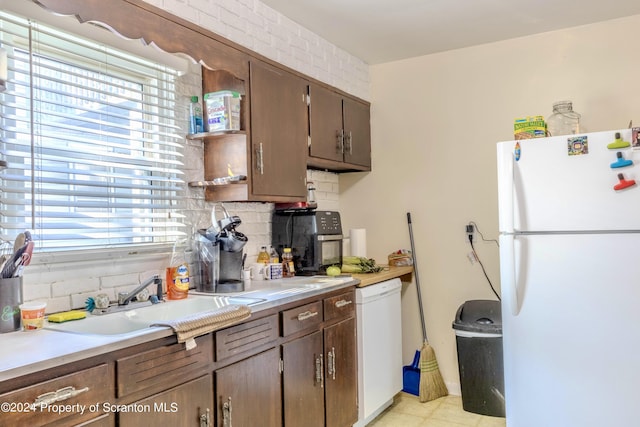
(379,320)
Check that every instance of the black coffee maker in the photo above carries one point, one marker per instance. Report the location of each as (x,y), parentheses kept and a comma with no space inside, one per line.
(315,239)
(220,254)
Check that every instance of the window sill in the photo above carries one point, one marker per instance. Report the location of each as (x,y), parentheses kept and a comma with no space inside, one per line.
(105,254)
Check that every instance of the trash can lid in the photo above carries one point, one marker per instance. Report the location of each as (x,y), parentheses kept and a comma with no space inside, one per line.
(483,316)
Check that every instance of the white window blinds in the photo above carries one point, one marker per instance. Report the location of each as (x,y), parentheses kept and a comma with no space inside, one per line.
(90,137)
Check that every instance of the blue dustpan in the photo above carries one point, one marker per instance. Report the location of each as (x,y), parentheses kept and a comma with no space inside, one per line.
(411,376)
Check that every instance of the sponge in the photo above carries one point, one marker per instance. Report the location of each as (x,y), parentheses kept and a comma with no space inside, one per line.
(66,316)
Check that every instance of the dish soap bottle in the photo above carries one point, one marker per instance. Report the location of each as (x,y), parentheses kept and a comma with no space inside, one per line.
(177,274)
(263,256)
(195,116)
(288,269)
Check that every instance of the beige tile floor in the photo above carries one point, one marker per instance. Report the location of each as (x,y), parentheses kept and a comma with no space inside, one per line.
(407,411)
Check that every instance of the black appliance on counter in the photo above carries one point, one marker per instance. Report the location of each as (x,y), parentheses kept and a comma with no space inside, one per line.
(315,239)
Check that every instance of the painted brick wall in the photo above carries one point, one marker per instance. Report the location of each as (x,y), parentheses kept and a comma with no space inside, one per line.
(256,26)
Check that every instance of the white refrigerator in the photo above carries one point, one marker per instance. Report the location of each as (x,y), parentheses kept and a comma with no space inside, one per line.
(569,218)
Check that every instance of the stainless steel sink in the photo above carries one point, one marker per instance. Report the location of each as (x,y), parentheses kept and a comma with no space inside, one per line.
(137,321)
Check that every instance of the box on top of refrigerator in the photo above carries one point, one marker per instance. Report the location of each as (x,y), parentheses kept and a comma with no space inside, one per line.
(529,127)
(223,110)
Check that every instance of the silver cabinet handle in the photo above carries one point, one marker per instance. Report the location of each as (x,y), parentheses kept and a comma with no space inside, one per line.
(349,143)
(226,413)
(307,315)
(320,371)
(205,419)
(333,357)
(343,303)
(65,393)
(340,141)
(331,363)
(260,159)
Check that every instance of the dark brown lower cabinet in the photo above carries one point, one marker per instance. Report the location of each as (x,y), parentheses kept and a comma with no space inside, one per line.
(320,368)
(249,393)
(341,393)
(303,381)
(299,370)
(188,404)
(105,420)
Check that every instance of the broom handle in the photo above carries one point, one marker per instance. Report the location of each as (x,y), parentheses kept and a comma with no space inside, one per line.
(415,270)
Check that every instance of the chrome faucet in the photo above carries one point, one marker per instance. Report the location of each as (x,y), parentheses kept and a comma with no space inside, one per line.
(124,298)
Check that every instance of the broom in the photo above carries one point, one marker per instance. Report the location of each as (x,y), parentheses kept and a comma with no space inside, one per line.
(432,385)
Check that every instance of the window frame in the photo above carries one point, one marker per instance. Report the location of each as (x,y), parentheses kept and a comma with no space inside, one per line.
(99,252)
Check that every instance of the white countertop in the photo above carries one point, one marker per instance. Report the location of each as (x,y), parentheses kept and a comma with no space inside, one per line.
(26,352)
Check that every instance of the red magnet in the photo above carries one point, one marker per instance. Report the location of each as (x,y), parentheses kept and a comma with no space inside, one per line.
(624,183)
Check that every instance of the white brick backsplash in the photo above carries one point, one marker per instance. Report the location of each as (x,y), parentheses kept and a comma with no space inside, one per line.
(73,286)
(55,305)
(36,291)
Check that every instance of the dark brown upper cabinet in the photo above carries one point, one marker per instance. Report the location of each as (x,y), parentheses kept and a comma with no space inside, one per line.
(339,131)
(272,147)
(278,132)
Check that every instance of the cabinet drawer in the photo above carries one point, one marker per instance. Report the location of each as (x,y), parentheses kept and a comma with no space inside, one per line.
(300,318)
(90,386)
(163,366)
(340,306)
(247,336)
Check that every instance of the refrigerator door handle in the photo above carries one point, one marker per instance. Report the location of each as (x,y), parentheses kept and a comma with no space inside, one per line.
(508,274)
(506,190)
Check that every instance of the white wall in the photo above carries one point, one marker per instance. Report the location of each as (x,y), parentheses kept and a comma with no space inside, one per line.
(435,121)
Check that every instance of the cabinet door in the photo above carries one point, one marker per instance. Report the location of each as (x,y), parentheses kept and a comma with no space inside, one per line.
(325,124)
(357,133)
(303,378)
(278,132)
(248,393)
(183,405)
(341,379)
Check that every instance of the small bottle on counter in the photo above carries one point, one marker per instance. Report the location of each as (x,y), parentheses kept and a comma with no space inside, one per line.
(263,256)
(288,269)
(273,255)
(177,274)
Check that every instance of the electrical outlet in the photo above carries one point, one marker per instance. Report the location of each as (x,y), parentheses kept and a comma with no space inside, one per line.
(469,230)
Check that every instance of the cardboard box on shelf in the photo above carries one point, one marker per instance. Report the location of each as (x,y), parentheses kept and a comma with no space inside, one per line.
(223,110)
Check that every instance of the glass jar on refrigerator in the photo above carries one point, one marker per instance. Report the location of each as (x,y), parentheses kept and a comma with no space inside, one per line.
(563,121)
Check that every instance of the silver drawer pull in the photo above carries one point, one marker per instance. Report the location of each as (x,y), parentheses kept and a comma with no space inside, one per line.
(343,303)
(58,395)
(307,315)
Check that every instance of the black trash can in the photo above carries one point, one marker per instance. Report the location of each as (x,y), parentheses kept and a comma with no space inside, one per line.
(478,327)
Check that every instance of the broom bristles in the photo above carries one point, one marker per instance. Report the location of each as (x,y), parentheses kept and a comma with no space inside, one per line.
(432,385)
